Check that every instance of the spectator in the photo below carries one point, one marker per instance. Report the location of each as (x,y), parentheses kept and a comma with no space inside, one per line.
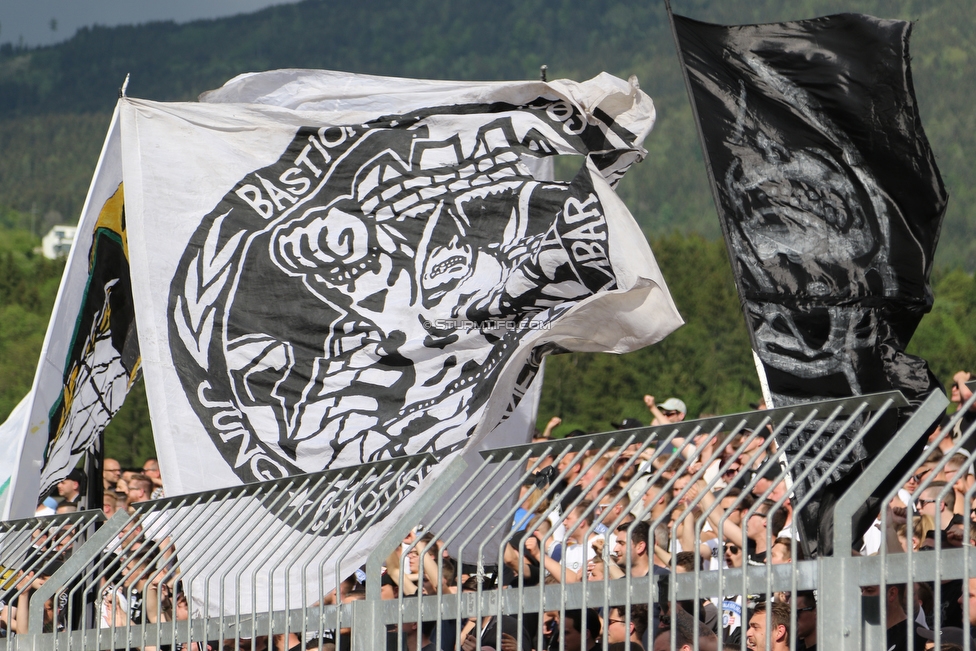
(707,612)
(628,423)
(939,440)
(959,393)
(140,490)
(779,627)
(553,423)
(766,480)
(18,620)
(151,469)
(762,520)
(918,533)
(631,550)
(287,642)
(72,487)
(610,509)
(130,538)
(662,543)
(129,473)
(806,619)
(108,503)
(951,637)
(510,629)
(625,623)
(597,476)
(567,490)
(574,636)
(782,551)
(970,594)
(684,635)
(160,605)
(111,472)
(958,473)
(576,547)
(533,501)
(896,623)
(732,605)
(655,498)
(46,507)
(940,510)
(672,410)
(418,638)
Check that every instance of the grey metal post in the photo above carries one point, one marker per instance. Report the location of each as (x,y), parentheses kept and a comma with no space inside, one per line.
(933,408)
(370,632)
(81,557)
(839,598)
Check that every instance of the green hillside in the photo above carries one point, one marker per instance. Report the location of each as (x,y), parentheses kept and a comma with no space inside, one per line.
(54,100)
(55,105)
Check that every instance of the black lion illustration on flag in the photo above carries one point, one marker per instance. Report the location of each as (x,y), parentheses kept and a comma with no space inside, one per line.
(357,299)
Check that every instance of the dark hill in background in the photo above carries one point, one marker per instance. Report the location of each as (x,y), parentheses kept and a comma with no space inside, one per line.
(56,102)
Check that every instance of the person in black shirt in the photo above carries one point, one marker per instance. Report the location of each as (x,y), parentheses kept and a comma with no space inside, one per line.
(806,620)
(896,622)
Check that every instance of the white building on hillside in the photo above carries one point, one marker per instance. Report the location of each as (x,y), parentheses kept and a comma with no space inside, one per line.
(57,242)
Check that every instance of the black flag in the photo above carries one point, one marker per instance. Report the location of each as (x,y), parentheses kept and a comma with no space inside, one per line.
(831,204)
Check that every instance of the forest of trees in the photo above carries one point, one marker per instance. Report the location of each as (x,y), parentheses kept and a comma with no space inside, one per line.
(707,362)
(56,102)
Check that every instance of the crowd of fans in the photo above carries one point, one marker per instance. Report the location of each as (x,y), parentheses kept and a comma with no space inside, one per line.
(601,516)
(51,546)
(121,488)
(589,514)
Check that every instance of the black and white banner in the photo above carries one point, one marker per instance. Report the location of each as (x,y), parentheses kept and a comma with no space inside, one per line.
(331,269)
(372,271)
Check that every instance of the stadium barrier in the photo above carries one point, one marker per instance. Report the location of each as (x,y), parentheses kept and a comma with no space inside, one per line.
(255,566)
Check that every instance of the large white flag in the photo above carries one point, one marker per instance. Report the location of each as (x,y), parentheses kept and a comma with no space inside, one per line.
(349,268)
(328,269)
(90,356)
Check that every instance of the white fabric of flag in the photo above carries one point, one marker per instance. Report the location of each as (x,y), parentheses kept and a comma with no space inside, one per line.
(349,268)
(11,436)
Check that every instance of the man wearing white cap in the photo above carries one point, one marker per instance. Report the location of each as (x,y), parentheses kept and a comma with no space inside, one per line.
(672,410)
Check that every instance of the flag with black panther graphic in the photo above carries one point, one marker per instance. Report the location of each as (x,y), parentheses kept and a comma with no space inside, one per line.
(830,200)
(90,357)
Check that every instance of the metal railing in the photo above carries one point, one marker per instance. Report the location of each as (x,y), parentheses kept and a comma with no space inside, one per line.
(590,533)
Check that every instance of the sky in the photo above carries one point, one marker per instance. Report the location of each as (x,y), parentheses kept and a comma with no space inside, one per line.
(33,20)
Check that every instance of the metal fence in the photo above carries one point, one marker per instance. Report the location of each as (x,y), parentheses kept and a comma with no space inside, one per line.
(589,540)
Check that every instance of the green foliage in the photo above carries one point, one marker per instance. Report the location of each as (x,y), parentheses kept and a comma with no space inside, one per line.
(707,362)
(55,101)
(46,168)
(28,287)
(946,337)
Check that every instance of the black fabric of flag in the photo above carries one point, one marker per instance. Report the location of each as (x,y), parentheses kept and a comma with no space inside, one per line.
(831,205)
